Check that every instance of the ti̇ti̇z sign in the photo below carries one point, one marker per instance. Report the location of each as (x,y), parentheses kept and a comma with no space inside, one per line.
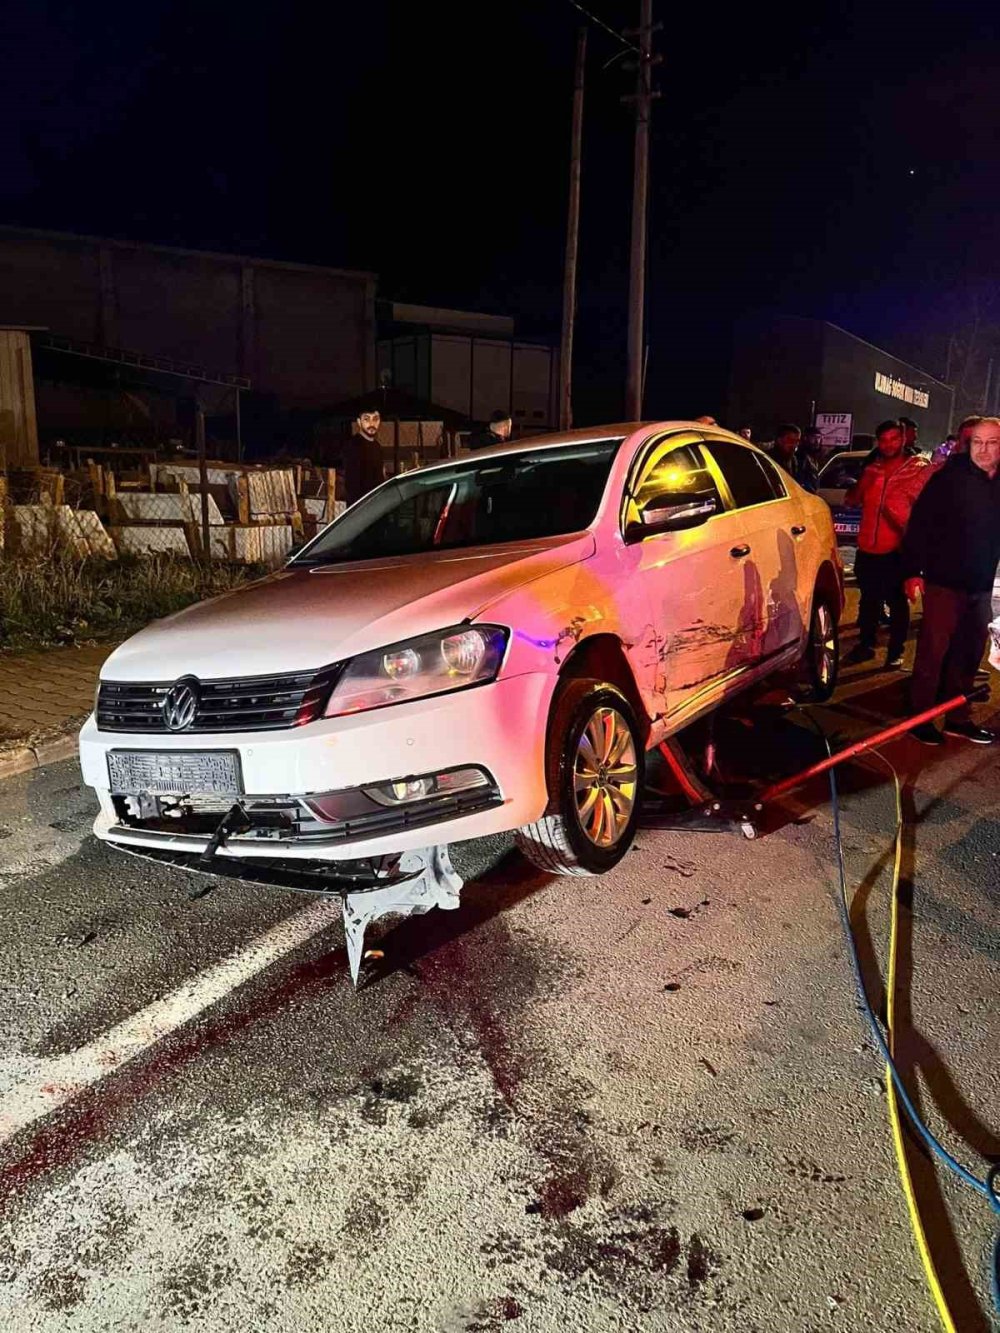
(836,428)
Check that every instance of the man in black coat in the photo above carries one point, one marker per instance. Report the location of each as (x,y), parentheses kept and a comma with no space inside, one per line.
(950,556)
(497,432)
(358,460)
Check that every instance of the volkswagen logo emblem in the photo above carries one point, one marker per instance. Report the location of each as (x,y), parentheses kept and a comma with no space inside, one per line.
(180,704)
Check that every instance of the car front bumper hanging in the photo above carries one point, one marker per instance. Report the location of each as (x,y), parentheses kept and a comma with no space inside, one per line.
(409,884)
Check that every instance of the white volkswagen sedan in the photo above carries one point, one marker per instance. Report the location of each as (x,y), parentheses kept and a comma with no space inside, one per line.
(485,645)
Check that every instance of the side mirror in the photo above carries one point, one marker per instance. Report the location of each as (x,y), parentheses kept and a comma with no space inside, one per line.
(672,511)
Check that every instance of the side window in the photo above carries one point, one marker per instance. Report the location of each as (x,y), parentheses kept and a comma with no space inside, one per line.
(674,469)
(744,472)
(773,475)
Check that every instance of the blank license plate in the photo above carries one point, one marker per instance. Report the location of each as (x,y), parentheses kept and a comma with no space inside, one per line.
(175,772)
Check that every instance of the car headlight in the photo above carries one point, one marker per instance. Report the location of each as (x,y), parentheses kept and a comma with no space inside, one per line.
(451,659)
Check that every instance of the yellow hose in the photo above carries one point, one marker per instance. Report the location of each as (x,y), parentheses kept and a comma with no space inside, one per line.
(895,1119)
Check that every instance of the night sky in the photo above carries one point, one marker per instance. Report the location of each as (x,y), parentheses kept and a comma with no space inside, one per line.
(838,161)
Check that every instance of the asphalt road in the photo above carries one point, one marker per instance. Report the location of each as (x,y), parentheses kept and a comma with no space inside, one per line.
(644,1101)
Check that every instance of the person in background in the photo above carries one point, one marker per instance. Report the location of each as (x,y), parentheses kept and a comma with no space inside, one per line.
(497,432)
(965,429)
(957,443)
(746,432)
(786,442)
(885,493)
(949,557)
(358,460)
(910,446)
(810,456)
(787,452)
(944,450)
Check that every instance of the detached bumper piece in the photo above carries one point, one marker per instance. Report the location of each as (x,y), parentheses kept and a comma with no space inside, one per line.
(407,885)
(201,832)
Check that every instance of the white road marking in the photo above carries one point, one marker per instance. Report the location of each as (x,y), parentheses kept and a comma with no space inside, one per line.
(63,1077)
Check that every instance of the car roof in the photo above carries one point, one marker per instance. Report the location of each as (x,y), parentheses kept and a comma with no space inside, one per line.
(588,434)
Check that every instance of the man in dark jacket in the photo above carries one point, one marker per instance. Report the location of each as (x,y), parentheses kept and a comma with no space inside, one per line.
(497,432)
(950,556)
(358,460)
(797,455)
(910,445)
(810,455)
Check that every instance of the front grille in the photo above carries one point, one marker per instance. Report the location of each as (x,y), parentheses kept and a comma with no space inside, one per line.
(253,703)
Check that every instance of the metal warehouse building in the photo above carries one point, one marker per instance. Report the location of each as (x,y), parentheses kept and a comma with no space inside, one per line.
(118,323)
(790,369)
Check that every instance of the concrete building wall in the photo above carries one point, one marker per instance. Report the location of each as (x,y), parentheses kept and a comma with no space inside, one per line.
(785,368)
(850,369)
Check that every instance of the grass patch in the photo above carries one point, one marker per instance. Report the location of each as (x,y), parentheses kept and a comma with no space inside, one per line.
(64,600)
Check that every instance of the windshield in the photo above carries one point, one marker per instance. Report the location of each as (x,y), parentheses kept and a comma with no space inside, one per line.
(477,502)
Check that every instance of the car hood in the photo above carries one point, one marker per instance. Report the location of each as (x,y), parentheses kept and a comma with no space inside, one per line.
(302,619)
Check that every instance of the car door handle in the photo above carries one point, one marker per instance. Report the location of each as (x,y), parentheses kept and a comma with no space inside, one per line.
(798,530)
(738,552)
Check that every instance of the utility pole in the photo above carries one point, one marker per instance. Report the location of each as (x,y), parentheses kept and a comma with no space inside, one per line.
(572,242)
(989,383)
(637,263)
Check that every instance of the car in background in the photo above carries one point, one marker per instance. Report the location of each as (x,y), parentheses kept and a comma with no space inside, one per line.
(477,646)
(836,477)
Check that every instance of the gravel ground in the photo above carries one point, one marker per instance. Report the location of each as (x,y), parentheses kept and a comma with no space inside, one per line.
(644,1101)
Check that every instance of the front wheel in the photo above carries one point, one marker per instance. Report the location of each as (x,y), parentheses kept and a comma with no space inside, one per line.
(595,779)
(822,658)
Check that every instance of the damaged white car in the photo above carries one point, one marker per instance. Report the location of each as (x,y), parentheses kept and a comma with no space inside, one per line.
(485,645)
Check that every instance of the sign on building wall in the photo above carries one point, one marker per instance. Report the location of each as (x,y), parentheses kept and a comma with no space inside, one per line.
(894,388)
(836,428)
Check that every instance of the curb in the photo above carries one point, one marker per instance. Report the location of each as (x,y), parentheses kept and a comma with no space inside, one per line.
(27,757)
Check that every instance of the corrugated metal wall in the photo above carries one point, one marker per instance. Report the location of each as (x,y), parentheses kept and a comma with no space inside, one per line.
(301,333)
(18,429)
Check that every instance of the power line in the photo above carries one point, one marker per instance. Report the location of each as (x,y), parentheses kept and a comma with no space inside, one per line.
(601,24)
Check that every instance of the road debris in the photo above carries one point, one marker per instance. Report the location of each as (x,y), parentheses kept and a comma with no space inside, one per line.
(429,880)
(685,868)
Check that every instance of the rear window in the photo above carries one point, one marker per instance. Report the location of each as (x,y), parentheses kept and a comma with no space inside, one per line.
(744,471)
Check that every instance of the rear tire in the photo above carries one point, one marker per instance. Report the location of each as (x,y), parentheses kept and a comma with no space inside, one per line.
(821,664)
(595,774)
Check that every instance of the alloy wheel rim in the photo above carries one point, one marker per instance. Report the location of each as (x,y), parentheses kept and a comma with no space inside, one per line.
(825,645)
(605,777)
